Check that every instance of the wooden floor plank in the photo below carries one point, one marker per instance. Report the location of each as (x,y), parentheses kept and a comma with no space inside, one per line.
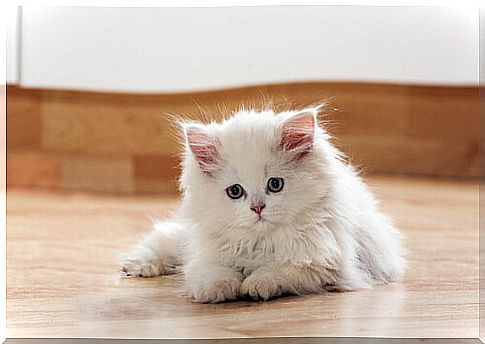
(62,276)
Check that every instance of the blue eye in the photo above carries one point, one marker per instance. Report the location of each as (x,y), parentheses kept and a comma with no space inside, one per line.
(235,191)
(275,184)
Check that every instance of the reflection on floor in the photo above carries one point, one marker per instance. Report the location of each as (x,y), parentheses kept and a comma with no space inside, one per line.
(62,276)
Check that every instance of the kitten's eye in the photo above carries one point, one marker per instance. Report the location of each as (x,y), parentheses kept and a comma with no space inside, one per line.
(235,191)
(275,184)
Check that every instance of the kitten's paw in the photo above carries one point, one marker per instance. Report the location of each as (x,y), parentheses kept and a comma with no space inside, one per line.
(338,288)
(261,287)
(217,291)
(136,266)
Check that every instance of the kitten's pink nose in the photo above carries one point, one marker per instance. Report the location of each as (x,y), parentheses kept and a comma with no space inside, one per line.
(257,207)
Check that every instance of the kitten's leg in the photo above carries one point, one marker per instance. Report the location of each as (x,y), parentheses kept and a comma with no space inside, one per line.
(274,280)
(158,253)
(210,283)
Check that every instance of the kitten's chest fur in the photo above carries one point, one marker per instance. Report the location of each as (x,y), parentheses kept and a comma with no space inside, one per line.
(251,254)
(286,245)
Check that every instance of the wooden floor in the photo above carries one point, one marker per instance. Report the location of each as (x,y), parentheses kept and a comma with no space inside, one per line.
(62,276)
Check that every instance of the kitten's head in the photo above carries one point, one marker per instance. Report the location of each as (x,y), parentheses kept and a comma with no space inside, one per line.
(254,171)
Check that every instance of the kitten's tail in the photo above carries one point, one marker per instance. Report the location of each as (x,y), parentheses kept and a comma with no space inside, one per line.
(158,253)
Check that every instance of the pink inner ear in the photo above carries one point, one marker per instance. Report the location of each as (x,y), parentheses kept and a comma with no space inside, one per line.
(204,148)
(298,133)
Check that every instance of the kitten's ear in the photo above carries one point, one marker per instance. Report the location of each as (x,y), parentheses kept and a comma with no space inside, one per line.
(298,133)
(203,146)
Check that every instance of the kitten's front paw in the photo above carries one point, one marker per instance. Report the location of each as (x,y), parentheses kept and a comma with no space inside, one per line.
(261,287)
(216,291)
(135,265)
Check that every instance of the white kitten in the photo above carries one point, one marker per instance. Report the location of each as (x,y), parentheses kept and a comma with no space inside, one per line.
(268,208)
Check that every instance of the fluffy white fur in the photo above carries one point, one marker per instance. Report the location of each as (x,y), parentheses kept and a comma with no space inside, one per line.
(322,231)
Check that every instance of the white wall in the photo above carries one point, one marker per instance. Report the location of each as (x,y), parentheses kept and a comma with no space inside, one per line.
(12,16)
(185,49)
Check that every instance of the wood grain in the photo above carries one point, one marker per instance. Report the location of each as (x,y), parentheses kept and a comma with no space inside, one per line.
(440,158)
(62,276)
(34,170)
(384,128)
(104,128)
(156,173)
(443,119)
(24,112)
(156,166)
(98,173)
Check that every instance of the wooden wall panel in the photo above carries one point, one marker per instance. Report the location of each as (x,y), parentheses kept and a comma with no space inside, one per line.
(33,169)
(155,166)
(127,142)
(98,173)
(416,156)
(155,173)
(104,127)
(368,110)
(156,185)
(442,114)
(24,109)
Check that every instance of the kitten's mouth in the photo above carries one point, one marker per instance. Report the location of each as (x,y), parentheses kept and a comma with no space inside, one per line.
(262,221)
